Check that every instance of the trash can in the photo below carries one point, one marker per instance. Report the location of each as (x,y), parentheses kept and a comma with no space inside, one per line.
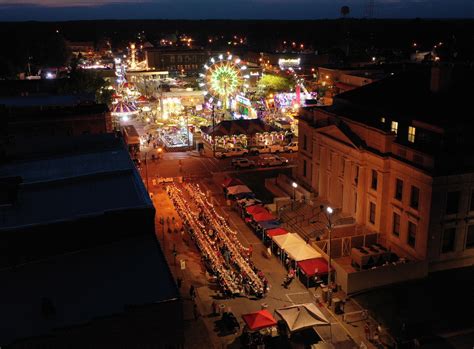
(325,292)
(337,305)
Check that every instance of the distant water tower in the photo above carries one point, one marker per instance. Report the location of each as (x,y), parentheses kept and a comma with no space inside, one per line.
(369,9)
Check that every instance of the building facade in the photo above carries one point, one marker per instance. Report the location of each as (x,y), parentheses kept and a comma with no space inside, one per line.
(176,60)
(391,165)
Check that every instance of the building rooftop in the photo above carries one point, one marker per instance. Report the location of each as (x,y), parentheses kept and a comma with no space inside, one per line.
(407,95)
(47,100)
(74,182)
(82,286)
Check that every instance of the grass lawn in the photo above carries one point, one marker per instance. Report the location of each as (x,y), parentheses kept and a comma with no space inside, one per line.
(442,302)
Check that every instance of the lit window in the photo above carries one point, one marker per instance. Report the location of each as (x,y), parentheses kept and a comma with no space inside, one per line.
(382,120)
(394,128)
(411,134)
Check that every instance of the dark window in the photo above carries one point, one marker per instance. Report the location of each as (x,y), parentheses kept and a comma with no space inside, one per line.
(472,201)
(452,202)
(414,197)
(374,180)
(411,238)
(470,237)
(372,213)
(396,224)
(305,142)
(399,189)
(356,177)
(449,236)
(304,168)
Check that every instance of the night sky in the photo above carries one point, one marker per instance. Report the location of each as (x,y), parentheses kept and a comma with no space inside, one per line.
(48,10)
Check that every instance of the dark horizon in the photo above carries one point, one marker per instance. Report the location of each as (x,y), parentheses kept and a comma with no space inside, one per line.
(56,10)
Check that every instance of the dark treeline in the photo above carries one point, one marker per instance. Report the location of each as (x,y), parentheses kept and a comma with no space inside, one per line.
(41,41)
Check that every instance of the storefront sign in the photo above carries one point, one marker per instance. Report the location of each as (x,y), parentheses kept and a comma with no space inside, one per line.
(243,100)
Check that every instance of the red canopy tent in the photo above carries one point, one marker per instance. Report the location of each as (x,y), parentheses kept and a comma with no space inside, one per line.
(263,217)
(276,231)
(310,266)
(230,182)
(260,319)
(255,209)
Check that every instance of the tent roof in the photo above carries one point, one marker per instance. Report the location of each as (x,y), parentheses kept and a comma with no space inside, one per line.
(263,217)
(269,224)
(301,252)
(299,317)
(235,127)
(237,189)
(230,182)
(309,266)
(259,320)
(283,241)
(256,209)
(276,232)
(249,202)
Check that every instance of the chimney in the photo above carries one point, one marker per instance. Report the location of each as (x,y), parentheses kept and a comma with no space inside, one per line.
(441,78)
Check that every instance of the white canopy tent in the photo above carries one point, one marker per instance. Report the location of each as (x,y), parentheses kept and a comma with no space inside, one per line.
(287,240)
(301,252)
(302,316)
(238,189)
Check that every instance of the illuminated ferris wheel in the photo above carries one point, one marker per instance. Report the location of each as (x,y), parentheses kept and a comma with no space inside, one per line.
(222,79)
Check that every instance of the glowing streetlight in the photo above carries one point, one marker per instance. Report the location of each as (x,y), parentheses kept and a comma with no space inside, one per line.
(329,212)
(294,185)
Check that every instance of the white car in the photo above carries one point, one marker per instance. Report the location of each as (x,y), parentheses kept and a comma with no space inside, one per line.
(273,161)
(231,152)
(264,149)
(242,163)
(291,147)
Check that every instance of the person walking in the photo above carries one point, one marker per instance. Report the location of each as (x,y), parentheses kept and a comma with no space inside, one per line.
(367,331)
(215,308)
(192,292)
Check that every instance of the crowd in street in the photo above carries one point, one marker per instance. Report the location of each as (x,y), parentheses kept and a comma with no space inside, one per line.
(222,253)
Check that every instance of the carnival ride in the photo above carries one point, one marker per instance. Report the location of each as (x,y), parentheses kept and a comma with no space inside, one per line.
(223,78)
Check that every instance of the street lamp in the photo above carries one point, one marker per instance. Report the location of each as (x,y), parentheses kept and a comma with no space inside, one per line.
(329,211)
(294,185)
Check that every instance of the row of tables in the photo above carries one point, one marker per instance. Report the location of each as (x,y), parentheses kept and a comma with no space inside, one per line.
(210,231)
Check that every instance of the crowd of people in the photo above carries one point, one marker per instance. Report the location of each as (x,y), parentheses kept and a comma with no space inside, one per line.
(223,254)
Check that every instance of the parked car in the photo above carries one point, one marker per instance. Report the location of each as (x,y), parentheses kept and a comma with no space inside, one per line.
(273,161)
(232,152)
(264,149)
(291,147)
(242,163)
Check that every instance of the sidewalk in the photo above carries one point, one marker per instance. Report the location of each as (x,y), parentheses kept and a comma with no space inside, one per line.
(203,332)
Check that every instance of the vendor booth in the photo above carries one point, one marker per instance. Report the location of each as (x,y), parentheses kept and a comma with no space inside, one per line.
(302,316)
(259,320)
(238,189)
(312,271)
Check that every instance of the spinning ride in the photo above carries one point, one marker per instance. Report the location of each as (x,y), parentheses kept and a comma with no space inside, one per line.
(223,78)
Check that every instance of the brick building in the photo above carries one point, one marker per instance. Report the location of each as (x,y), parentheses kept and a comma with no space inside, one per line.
(176,60)
(396,156)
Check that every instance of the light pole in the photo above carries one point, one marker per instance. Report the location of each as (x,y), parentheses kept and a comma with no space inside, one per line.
(294,185)
(328,214)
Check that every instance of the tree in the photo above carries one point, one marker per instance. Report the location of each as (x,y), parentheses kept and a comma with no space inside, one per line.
(87,82)
(345,11)
(273,83)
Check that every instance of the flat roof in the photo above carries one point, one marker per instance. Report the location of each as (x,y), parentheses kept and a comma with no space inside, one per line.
(70,185)
(82,286)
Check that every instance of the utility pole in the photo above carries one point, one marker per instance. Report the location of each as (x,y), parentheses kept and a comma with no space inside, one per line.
(213,132)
